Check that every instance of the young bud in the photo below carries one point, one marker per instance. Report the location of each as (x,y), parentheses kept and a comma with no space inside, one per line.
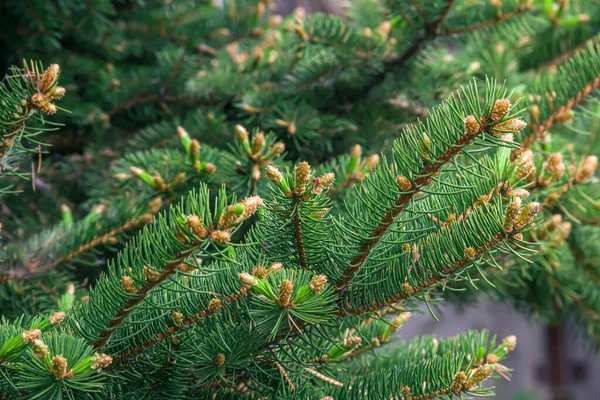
(302,175)
(407,289)
(472,126)
(406,392)
(459,381)
(509,343)
(500,109)
(194,225)
(177,318)
(276,150)
(151,274)
(159,183)
(220,359)
(587,168)
(258,142)
(555,166)
(352,341)
(260,272)
(372,161)
(101,360)
(356,151)
(512,125)
(56,93)
(31,335)
(220,237)
(59,366)
(214,306)
(275,267)
(404,183)
(469,252)
(241,134)
(491,358)
(251,205)
(57,318)
(317,284)
(247,279)
(520,193)
(482,373)
(40,350)
(284,294)
(49,78)
(273,174)
(128,284)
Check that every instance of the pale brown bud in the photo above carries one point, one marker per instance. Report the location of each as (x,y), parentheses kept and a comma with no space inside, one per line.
(372,161)
(472,126)
(317,284)
(40,350)
(258,142)
(241,134)
(352,341)
(128,284)
(220,359)
(260,272)
(407,289)
(459,381)
(56,93)
(469,252)
(500,109)
(520,193)
(151,274)
(220,237)
(273,174)
(70,289)
(57,317)
(210,168)
(59,366)
(31,335)
(284,294)
(49,78)
(492,358)
(194,225)
(555,166)
(406,392)
(404,183)
(302,176)
(356,151)
(247,279)
(177,318)
(101,360)
(509,343)
(482,373)
(587,168)
(277,149)
(513,125)
(214,306)
(275,267)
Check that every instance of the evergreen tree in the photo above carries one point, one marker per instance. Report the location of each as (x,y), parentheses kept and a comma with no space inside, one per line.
(235,204)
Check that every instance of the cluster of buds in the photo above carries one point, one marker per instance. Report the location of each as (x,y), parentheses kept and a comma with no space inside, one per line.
(220,360)
(101,360)
(233,215)
(192,148)
(586,169)
(257,151)
(517,217)
(500,124)
(509,343)
(46,91)
(555,230)
(352,342)
(128,284)
(302,176)
(358,167)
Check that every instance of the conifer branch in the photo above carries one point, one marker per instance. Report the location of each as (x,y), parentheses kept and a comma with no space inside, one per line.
(424,178)
(486,24)
(426,285)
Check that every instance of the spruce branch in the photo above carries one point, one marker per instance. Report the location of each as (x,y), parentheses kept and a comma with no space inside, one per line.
(471,128)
